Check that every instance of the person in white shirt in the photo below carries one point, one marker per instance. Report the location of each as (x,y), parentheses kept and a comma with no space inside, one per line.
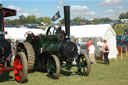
(92,50)
(100,46)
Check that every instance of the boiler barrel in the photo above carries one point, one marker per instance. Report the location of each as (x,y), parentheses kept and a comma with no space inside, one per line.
(66,49)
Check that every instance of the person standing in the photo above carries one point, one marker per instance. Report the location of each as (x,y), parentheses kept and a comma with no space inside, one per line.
(78,51)
(92,50)
(89,43)
(78,46)
(100,46)
(106,52)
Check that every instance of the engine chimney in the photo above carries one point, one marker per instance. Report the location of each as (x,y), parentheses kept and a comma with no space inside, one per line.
(1,22)
(67,21)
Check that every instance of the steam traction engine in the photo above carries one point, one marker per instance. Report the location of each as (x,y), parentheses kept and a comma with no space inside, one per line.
(54,50)
(20,62)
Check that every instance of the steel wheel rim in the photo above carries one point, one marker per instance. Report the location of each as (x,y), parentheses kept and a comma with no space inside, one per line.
(51,67)
(22,48)
(18,68)
(82,68)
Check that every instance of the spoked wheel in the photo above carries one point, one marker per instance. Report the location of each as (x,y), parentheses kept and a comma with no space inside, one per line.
(20,67)
(83,65)
(29,52)
(53,67)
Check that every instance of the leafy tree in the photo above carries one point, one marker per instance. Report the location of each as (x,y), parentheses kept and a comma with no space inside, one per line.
(40,19)
(22,19)
(46,19)
(31,19)
(101,20)
(62,21)
(79,20)
(15,21)
(6,21)
(76,19)
(123,16)
(95,20)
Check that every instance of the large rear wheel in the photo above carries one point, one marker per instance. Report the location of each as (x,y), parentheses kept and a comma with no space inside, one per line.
(53,67)
(20,67)
(29,52)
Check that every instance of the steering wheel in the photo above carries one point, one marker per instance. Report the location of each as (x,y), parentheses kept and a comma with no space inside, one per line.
(51,30)
(29,33)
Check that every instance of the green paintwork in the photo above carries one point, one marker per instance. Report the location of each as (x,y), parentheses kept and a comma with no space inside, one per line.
(45,43)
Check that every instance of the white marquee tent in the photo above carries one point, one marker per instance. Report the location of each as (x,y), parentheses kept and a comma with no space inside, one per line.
(96,32)
(19,33)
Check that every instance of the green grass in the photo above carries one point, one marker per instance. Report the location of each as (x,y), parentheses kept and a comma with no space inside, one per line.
(114,74)
(43,27)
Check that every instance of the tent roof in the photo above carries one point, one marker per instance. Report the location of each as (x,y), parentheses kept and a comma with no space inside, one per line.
(90,30)
(19,33)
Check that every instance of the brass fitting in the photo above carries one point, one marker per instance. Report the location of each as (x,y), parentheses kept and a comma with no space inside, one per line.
(0,6)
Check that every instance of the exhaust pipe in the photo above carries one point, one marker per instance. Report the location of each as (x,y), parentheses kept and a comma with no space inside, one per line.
(1,22)
(67,21)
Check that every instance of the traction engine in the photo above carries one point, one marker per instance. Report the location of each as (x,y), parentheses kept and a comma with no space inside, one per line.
(54,50)
(20,62)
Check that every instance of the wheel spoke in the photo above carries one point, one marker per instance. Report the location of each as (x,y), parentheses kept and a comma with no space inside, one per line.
(18,68)
(17,62)
(83,69)
(84,65)
(51,67)
(53,71)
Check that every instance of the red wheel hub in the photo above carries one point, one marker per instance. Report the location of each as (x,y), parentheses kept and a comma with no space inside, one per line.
(1,68)
(18,68)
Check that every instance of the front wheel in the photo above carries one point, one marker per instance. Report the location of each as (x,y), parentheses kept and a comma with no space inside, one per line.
(53,67)
(20,67)
(83,64)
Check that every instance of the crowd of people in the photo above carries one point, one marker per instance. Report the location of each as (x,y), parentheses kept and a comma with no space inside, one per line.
(103,48)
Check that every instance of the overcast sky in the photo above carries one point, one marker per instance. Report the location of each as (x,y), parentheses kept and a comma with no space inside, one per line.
(82,8)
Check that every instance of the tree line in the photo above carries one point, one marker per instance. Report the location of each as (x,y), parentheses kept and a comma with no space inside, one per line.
(29,19)
(33,19)
(123,15)
(79,19)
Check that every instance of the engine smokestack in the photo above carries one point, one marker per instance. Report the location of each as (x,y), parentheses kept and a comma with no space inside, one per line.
(67,21)
(1,22)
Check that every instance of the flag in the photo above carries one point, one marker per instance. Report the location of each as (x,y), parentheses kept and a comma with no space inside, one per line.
(56,16)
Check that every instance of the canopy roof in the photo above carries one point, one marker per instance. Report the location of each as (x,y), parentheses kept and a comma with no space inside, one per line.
(9,12)
(90,30)
(20,33)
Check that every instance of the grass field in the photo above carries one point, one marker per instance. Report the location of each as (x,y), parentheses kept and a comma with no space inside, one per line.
(43,27)
(114,74)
